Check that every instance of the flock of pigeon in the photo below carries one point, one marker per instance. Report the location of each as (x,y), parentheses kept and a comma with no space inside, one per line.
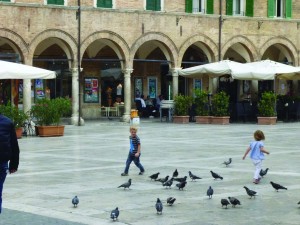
(181,183)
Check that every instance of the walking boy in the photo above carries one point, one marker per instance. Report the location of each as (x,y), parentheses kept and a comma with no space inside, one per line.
(134,152)
(257,153)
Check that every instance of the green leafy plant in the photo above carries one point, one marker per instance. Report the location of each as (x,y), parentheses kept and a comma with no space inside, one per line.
(182,104)
(220,104)
(49,112)
(201,102)
(16,115)
(266,105)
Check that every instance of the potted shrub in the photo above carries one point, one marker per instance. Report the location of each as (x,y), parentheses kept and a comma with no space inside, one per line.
(181,108)
(220,108)
(48,113)
(202,107)
(266,109)
(16,115)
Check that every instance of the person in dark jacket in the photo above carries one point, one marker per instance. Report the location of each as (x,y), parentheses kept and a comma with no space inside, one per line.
(9,151)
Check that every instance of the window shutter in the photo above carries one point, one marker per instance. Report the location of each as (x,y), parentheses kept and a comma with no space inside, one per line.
(4,0)
(249,8)
(229,7)
(150,4)
(157,5)
(271,8)
(56,2)
(210,7)
(288,9)
(188,6)
(104,3)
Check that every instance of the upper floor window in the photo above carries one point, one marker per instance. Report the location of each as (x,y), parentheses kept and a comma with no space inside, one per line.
(5,0)
(155,5)
(199,6)
(280,8)
(55,2)
(105,3)
(239,7)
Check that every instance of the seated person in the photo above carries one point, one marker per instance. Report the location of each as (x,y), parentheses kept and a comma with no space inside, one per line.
(141,106)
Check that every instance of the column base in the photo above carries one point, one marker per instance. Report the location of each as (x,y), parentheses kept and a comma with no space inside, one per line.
(74,121)
(126,118)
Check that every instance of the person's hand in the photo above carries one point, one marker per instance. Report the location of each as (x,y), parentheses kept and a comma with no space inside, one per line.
(12,171)
(137,154)
(244,157)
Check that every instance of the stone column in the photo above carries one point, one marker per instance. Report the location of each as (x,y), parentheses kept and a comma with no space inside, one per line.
(175,81)
(27,89)
(75,98)
(127,94)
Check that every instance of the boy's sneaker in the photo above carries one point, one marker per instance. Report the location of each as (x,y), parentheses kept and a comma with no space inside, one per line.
(256,181)
(141,173)
(124,174)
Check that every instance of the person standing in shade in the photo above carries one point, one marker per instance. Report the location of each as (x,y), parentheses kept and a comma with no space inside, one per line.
(9,151)
(134,152)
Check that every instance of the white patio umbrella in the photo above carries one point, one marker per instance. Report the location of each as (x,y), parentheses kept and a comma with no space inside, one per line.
(10,70)
(213,70)
(267,70)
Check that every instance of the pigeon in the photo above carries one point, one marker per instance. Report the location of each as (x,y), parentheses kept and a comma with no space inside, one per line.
(216,176)
(126,185)
(154,176)
(227,162)
(168,183)
(251,193)
(171,200)
(109,118)
(210,192)
(75,201)
(158,206)
(181,185)
(298,203)
(234,201)
(277,186)
(162,180)
(262,172)
(175,173)
(114,214)
(193,177)
(180,179)
(225,202)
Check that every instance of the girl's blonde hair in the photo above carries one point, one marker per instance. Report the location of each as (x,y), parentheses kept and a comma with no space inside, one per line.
(259,135)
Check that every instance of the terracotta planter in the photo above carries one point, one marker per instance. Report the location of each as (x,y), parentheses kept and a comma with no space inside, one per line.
(19,132)
(203,119)
(266,120)
(181,119)
(50,131)
(222,120)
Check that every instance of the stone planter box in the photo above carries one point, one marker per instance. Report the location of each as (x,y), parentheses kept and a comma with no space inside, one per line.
(50,131)
(181,119)
(203,119)
(222,120)
(266,120)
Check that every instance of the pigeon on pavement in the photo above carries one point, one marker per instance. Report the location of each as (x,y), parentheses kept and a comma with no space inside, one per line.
(216,176)
(234,201)
(126,185)
(175,173)
(210,192)
(193,177)
(154,176)
(263,173)
(158,206)
(277,186)
(225,202)
(181,185)
(228,162)
(171,200)
(168,183)
(180,179)
(114,214)
(162,180)
(251,193)
(75,201)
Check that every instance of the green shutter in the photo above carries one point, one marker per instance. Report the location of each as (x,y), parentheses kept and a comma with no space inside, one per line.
(55,2)
(150,4)
(157,5)
(288,9)
(229,7)
(271,8)
(210,7)
(249,8)
(4,0)
(188,6)
(104,3)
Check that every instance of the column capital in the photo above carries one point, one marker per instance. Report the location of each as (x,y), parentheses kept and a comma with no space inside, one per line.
(127,72)
(175,71)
